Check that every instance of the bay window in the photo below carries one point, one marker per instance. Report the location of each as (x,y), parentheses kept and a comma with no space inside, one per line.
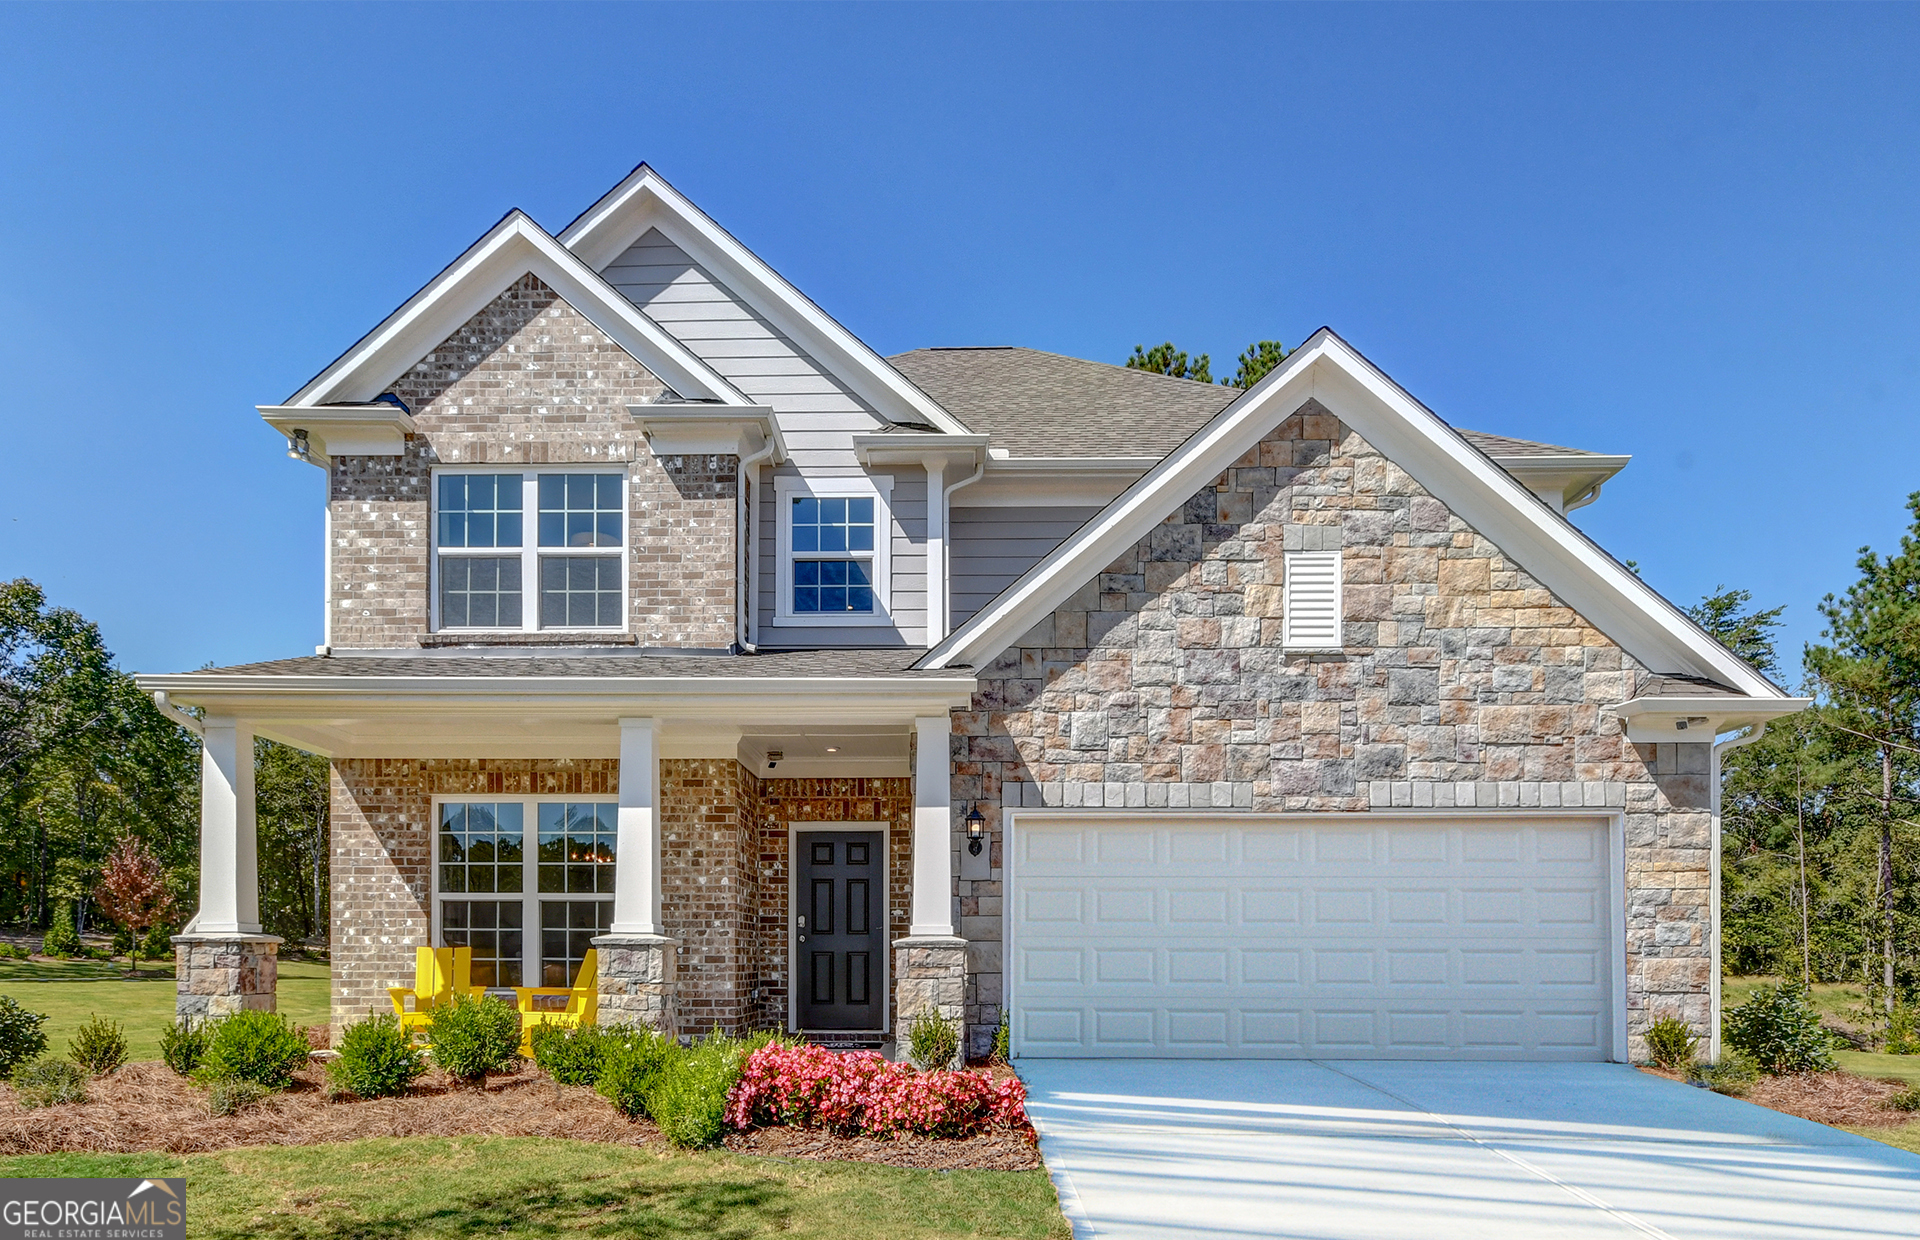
(484,561)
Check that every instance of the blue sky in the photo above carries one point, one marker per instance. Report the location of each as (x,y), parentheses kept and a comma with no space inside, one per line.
(1685,232)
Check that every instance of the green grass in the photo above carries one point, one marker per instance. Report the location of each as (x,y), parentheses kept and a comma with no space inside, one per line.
(1833,1000)
(523,1186)
(70,992)
(1906,1136)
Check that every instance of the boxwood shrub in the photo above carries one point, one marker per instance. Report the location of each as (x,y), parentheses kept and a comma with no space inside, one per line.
(377,1059)
(261,1047)
(475,1036)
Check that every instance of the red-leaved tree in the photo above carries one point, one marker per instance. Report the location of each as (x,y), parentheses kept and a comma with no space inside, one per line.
(133,891)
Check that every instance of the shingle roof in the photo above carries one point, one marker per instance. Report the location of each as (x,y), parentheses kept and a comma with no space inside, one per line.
(1045,404)
(1685,687)
(786,663)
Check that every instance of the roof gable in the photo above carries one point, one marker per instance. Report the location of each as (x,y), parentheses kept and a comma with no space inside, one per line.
(645,201)
(1327,369)
(513,248)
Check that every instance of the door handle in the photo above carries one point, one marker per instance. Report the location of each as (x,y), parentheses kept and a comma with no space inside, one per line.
(803,938)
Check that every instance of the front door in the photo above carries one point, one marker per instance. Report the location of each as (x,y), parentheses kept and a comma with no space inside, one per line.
(839,929)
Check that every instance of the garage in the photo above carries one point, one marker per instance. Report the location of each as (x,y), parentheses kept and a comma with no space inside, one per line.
(1482,936)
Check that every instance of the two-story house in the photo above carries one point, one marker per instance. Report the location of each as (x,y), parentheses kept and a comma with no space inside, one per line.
(818,688)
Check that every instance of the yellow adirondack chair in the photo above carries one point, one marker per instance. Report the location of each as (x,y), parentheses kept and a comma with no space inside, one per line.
(439,973)
(583,1002)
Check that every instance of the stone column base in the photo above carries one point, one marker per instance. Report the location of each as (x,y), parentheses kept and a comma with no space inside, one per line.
(217,975)
(929,974)
(638,980)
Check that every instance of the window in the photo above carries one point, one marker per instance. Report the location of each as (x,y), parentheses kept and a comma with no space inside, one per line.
(484,562)
(528,914)
(833,550)
(1310,609)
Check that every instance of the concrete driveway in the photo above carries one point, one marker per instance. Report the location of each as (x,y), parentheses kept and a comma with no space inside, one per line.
(1333,1150)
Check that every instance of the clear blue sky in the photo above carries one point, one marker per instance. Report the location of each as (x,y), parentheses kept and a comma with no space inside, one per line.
(1686,232)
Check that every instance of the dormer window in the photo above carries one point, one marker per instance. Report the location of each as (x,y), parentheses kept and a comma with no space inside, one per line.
(834,553)
(483,559)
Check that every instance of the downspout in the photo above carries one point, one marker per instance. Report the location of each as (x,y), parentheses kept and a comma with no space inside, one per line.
(946,578)
(746,575)
(1750,734)
(181,717)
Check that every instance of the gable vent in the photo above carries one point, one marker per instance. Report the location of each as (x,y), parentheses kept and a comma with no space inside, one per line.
(1311,617)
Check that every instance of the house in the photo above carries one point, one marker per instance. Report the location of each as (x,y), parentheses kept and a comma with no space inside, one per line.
(820,689)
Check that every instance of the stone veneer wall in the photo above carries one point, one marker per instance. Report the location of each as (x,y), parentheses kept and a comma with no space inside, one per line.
(1463,682)
(530,381)
(785,801)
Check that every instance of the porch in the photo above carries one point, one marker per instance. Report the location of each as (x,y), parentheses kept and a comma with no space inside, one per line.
(795,871)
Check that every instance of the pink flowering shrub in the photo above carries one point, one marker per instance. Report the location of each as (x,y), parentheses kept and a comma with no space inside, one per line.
(860,1093)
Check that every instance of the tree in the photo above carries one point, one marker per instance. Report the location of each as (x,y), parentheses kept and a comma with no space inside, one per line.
(1260,357)
(1164,359)
(1729,616)
(291,797)
(133,891)
(1868,671)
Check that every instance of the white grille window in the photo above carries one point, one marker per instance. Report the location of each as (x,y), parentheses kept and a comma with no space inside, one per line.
(1311,618)
(489,557)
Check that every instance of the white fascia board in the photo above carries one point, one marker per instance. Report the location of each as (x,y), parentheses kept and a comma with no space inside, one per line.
(645,200)
(952,451)
(710,430)
(378,429)
(1586,579)
(514,247)
(1660,720)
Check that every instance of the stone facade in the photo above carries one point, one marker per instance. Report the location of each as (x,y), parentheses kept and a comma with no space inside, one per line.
(1463,682)
(218,975)
(530,381)
(639,982)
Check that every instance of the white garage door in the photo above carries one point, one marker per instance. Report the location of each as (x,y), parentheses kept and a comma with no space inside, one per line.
(1487,938)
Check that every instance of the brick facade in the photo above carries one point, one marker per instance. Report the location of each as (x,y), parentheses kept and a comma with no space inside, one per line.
(530,381)
(1463,682)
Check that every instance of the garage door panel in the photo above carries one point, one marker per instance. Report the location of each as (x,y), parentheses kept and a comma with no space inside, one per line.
(1425,942)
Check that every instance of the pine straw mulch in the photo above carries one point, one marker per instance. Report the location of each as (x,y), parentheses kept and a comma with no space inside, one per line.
(144,1107)
(1838,1099)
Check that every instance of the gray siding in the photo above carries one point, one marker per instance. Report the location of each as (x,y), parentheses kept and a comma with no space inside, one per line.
(992,547)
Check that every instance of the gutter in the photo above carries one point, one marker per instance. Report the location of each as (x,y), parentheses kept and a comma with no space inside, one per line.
(164,702)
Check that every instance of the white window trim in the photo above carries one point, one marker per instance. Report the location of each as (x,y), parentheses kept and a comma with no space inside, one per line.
(878,487)
(530,894)
(794,831)
(529,549)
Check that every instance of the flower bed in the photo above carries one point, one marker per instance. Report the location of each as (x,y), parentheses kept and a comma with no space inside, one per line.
(861,1094)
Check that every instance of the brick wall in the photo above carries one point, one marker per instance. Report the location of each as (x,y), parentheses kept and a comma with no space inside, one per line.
(709,888)
(530,381)
(1463,682)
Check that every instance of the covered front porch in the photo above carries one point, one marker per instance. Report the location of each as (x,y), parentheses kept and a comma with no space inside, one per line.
(738,851)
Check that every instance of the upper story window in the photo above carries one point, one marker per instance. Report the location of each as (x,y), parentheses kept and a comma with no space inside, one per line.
(484,563)
(833,550)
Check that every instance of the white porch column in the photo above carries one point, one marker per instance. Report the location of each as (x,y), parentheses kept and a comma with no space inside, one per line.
(636,873)
(932,830)
(938,607)
(229,849)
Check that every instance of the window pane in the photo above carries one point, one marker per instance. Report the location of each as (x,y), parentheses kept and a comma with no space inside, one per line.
(832,526)
(580,510)
(567,931)
(479,510)
(479,592)
(826,586)
(491,929)
(580,592)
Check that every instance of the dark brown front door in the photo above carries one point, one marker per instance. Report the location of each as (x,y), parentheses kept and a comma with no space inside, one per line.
(840,933)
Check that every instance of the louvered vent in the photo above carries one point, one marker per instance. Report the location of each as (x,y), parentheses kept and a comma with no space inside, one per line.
(1312,617)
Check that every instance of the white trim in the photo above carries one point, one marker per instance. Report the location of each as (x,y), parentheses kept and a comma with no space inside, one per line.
(1586,579)
(1615,819)
(514,247)
(886,922)
(529,549)
(530,894)
(644,200)
(877,487)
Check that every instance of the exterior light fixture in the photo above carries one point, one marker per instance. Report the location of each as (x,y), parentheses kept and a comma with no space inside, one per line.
(976,829)
(297,447)
(833,749)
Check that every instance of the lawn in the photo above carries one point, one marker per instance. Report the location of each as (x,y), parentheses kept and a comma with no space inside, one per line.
(69,992)
(524,1186)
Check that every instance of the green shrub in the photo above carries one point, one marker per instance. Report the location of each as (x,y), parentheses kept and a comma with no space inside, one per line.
(1907,1099)
(9,952)
(569,1056)
(254,1046)
(233,1095)
(1903,1032)
(99,1046)
(1780,1031)
(184,1045)
(475,1036)
(122,941)
(1733,1075)
(377,1059)
(932,1041)
(1003,1039)
(1671,1044)
(21,1037)
(688,1096)
(60,939)
(49,1083)
(630,1058)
